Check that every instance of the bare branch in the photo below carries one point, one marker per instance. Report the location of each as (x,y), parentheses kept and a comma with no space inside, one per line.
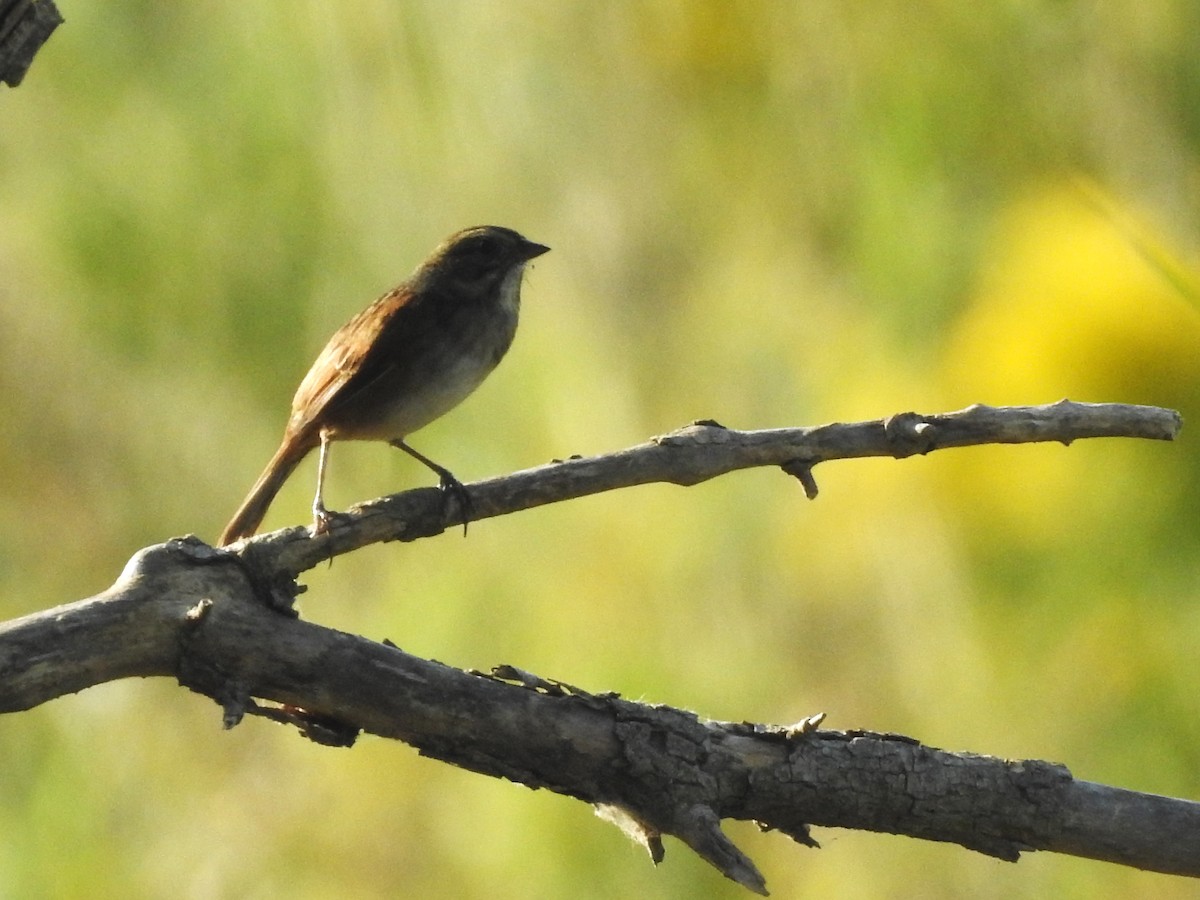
(691,455)
(185,610)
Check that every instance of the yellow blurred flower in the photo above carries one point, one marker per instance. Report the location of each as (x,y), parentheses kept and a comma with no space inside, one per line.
(1077,302)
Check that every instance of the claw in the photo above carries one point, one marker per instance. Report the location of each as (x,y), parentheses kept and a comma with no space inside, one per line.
(324,519)
(452,487)
(446,482)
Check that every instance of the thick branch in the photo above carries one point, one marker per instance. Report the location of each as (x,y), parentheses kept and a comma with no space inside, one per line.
(186,610)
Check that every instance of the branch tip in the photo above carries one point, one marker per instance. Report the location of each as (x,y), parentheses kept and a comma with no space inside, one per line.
(234,709)
(700,828)
(807,725)
(801,470)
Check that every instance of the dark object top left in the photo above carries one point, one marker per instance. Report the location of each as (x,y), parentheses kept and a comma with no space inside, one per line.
(24,26)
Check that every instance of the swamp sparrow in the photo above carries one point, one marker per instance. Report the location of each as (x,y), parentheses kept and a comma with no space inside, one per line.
(408,358)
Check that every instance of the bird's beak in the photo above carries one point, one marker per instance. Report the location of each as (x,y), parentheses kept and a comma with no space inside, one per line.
(529,250)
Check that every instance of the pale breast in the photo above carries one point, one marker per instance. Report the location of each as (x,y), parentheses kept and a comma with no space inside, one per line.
(434,376)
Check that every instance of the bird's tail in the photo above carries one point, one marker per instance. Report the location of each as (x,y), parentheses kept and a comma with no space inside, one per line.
(250,514)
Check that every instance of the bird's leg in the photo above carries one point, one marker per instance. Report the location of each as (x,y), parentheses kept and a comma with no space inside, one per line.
(321,516)
(446,480)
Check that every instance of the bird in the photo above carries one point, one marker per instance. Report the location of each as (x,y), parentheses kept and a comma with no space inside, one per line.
(404,361)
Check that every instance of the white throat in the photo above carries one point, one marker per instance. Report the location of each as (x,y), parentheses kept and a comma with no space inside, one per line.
(510,290)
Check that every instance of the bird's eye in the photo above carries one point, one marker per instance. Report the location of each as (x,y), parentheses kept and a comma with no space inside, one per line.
(485,246)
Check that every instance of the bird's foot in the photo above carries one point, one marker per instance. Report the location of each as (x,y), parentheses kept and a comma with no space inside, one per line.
(324,519)
(454,491)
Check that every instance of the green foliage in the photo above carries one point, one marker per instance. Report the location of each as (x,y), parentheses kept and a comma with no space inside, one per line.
(758,215)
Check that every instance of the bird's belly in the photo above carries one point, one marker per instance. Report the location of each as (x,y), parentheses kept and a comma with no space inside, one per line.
(433,397)
(427,383)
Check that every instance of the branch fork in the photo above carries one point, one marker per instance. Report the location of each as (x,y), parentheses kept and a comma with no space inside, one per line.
(221,622)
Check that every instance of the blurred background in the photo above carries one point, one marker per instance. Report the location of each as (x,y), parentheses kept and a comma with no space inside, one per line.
(764,216)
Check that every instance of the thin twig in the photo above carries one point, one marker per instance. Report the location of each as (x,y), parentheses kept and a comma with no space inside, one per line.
(696,453)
